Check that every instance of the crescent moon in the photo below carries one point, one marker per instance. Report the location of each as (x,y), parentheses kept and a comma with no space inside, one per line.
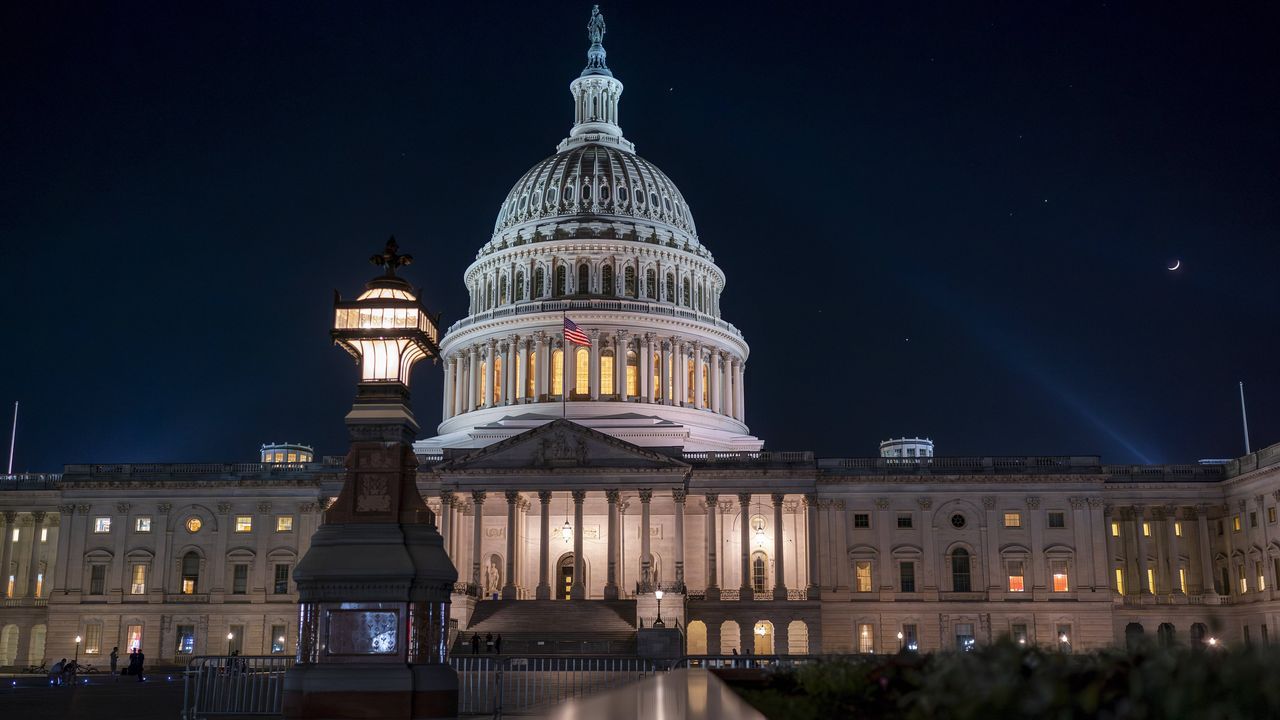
(1176,264)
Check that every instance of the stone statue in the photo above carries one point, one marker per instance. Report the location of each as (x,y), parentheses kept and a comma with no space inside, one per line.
(595,27)
(492,583)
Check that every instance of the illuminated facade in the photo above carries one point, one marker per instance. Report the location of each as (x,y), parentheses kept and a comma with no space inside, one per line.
(646,477)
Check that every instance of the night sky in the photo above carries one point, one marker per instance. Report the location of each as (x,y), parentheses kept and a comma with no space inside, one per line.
(943,219)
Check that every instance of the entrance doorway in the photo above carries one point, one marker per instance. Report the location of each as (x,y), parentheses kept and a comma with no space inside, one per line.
(564,574)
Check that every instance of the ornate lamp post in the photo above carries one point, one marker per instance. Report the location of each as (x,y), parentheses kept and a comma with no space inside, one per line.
(374,587)
(658,623)
(77,658)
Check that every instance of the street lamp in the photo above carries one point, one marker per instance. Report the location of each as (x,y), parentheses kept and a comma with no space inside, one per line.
(658,623)
(1213,641)
(77,660)
(899,641)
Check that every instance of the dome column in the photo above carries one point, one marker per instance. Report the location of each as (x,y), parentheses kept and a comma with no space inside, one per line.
(620,350)
(473,377)
(593,381)
(646,368)
(540,369)
(543,591)
(712,588)
(697,378)
(579,590)
(715,380)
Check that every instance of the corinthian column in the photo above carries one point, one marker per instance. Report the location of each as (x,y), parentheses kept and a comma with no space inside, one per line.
(713,590)
(10,522)
(646,559)
(744,502)
(678,496)
(477,517)
(509,587)
(579,589)
(544,549)
(611,581)
(779,552)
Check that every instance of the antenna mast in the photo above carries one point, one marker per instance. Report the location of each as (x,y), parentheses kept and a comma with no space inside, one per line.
(13,436)
(1245,419)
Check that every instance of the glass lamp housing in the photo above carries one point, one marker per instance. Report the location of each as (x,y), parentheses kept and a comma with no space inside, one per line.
(386,329)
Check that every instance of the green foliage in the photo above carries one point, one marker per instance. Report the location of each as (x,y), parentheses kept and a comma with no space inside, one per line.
(1007,681)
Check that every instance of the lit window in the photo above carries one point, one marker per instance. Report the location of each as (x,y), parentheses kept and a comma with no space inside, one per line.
(1019,633)
(582,371)
(284,523)
(1151,580)
(186,639)
(39,584)
(1182,579)
(1016,582)
(44,535)
(142,524)
(1120,580)
(277,639)
(861,520)
(244,523)
(1271,514)
(557,372)
(1146,529)
(1057,520)
(866,638)
(14,536)
(1013,519)
(8,587)
(1177,528)
(1235,523)
(102,525)
(1262,578)
(606,374)
(1058,569)
(633,374)
(133,638)
(139,584)
(193,524)
(862,573)
(1115,529)
(1244,581)
(92,639)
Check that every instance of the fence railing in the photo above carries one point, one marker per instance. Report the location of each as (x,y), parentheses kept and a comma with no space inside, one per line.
(237,685)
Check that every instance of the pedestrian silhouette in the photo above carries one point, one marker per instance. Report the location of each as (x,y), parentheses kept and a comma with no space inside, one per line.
(475,643)
(488,642)
(497,644)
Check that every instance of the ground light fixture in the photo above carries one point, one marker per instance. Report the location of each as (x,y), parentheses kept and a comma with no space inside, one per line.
(658,623)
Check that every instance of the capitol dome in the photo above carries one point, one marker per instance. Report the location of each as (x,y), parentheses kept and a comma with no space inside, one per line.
(595,301)
(596,183)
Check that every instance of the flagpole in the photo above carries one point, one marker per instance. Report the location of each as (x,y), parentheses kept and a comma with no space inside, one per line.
(564,366)
(1243,418)
(13,437)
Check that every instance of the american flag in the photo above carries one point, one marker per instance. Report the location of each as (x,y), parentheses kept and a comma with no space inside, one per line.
(574,334)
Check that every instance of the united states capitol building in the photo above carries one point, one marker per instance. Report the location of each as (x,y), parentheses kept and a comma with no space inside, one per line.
(574,482)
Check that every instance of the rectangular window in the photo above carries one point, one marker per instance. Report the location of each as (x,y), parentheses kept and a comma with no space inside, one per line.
(1244,581)
(1146,529)
(1019,633)
(1057,519)
(39,584)
(235,640)
(188,586)
(102,525)
(1220,527)
(278,639)
(1151,580)
(1115,529)
(186,639)
(866,638)
(1235,523)
(240,579)
(1177,528)
(282,579)
(138,584)
(1253,519)
(132,638)
(284,523)
(861,520)
(904,521)
(13,537)
(862,574)
(1016,583)
(8,587)
(98,580)
(1013,519)
(142,524)
(910,639)
(1058,571)
(1182,579)
(907,573)
(1271,514)
(92,639)
(44,535)
(964,637)
(1262,578)
(1064,638)
(244,523)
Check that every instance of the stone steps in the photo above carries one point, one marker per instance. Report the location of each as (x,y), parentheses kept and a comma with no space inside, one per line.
(563,627)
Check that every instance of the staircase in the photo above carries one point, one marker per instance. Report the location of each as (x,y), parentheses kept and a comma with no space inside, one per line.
(553,627)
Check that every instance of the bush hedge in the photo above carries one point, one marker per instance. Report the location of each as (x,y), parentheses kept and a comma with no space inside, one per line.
(1008,681)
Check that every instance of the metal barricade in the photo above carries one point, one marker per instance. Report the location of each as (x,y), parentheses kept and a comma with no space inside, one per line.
(234,685)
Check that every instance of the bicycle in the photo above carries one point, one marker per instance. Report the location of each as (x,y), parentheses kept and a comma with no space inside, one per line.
(41,669)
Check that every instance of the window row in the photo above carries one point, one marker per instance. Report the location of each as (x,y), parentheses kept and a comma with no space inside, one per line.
(963,637)
(184,636)
(960,565)
(190,582)
(241,524)
(495,289)
(1054,519)
(15,534)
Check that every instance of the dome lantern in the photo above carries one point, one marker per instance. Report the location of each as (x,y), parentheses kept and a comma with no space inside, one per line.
(595,96)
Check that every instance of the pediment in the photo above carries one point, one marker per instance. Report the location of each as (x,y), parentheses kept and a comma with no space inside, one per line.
(562,445)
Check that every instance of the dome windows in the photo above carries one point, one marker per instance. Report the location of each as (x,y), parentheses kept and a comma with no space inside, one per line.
(586,192)
(653,199)
(666,203)
(604,193)
(552,195)
(524,203)
(537,198)
(622,194)
(568,193)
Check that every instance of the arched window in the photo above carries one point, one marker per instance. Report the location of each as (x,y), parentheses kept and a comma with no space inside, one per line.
(557,372)
(606,372)
(684,292)
(633,374)
(960,577)
(606,280)
(657,377)
(519,287)
(582,371)
(484,385)
(502,290)
(190,573)
(561,279)
(671,288)
(497,380)
(689,388)
(650,284)
(759,572)
(629,281)
(584,280)
(539,282)
(698,298)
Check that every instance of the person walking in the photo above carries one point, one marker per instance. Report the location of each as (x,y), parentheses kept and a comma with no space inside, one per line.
(475,643)
(135,666)
(115,658)
(497,644)
(55,673)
